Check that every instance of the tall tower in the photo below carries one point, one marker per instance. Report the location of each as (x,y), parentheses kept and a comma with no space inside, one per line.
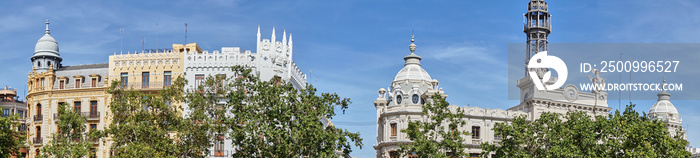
(537,28)
(46,52)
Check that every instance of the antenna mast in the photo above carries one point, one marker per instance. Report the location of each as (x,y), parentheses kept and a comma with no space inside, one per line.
(121,40)
(185,34)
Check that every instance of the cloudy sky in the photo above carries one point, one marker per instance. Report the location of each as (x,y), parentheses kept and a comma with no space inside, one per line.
(352,48)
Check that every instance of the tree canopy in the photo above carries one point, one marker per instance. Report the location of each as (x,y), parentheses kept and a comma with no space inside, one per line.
(437,134)
(260,118)
(576,134)
(270,118)
(11,139)
(71,140)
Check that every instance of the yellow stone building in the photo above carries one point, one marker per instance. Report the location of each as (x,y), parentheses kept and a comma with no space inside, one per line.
(50,83)
(84,87)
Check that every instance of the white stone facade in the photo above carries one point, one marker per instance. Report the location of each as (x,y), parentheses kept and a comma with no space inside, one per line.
(272,58)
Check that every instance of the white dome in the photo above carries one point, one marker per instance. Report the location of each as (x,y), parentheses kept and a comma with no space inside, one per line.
(47,46)
(412,72)
(412,69)
(663,106)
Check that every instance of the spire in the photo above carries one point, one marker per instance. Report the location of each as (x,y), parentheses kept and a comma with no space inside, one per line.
(284,37)
(272,39)
(258,33)
(47,27)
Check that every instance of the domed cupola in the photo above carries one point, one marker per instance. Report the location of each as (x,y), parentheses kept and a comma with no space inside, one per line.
(411,82)
(46,52)
(664,110)
(412,70)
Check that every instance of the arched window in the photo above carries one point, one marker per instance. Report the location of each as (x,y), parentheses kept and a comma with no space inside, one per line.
(38,109)
(38,64)
(48,63)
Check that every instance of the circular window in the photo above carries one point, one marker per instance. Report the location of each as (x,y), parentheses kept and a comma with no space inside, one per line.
(398,99)
(415,98)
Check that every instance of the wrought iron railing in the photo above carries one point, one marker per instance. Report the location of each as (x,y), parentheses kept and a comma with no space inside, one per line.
(38,118)
(38,140)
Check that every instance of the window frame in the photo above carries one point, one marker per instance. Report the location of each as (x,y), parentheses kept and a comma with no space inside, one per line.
(476,132)
(167,78)
(394,128)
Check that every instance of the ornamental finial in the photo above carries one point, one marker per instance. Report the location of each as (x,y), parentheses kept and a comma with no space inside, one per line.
(412,47)
(47,27)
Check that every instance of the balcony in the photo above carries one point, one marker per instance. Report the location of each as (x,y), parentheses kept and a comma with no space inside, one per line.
(476,141)
(147,86)
(92,115)
(38,141)
(220,153)
(38,118)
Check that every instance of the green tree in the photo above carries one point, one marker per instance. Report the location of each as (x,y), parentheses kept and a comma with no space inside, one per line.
(270,118)
(618,135)
(149,124)
(437,134)
(71,140)
(11,140)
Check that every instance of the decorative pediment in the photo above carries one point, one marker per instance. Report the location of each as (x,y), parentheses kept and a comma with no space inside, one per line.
(79,76)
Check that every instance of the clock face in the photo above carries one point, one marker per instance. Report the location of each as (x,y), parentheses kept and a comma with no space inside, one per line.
(570,93)
(415,98)
(398,99)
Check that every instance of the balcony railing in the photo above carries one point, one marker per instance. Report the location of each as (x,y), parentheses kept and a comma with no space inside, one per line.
(38,118)
(38,140)
(149,85)
(476,141)
(220,153)
(88,115)
(94,115)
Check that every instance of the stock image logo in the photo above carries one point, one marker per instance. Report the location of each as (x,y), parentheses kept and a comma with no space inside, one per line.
(541,62)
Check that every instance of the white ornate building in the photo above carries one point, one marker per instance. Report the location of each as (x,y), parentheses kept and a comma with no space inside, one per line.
(271,59)
(413,85)
(402,101)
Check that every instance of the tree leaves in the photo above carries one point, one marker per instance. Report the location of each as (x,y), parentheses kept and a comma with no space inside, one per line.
(437,134)
(11,140)
(618,135)
(71,138)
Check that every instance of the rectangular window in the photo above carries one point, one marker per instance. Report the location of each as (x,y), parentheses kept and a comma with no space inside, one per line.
(93,109)
(5,112)
(93,127)
(145,79)
(219,146)
(476,131)
(76,106)
(21,113)
(167,78)
(125,79)
(198,80)
(393,129)
(498,136)
(61,84)
(94,82)
(77,83)
(42,82)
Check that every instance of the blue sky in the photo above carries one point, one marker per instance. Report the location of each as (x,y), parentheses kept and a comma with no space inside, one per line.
(352,48)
